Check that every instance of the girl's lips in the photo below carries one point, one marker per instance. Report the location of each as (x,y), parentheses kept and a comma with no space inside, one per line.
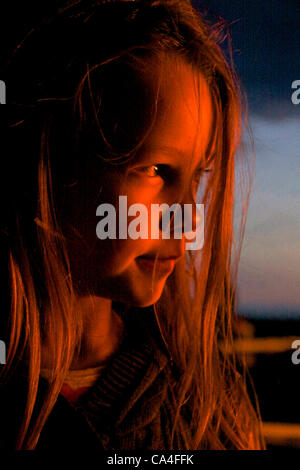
(162,266)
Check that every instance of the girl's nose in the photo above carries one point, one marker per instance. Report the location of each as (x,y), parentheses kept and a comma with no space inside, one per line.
(181,219)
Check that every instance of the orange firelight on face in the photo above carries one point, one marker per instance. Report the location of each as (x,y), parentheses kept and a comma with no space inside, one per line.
(166,171)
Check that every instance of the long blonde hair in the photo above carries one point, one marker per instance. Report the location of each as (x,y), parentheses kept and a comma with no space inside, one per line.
(197,325)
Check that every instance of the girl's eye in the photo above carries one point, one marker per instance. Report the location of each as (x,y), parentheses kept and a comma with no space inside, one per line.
(167,173)
(151,171)
(160,170)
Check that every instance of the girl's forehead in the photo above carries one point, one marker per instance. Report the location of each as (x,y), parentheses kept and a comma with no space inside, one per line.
(185,117)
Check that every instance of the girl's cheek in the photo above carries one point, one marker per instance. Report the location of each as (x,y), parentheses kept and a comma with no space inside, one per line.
(143,186)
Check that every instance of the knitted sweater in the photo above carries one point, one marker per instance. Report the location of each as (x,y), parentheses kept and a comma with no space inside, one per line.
(130,407)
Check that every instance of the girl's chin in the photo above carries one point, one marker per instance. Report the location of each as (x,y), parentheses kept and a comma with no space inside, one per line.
(145,299)
(135,286)
(143,294)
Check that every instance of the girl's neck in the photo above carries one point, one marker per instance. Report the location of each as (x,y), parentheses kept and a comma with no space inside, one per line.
(102,332)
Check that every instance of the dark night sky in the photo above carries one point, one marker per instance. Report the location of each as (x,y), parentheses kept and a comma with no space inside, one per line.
(266,44)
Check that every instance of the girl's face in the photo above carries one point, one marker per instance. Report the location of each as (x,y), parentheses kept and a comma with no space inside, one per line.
(167,170)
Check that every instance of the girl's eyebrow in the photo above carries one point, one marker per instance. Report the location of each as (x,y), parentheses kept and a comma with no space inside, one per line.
(169,150)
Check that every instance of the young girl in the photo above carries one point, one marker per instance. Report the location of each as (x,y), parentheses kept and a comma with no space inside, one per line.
(121,342)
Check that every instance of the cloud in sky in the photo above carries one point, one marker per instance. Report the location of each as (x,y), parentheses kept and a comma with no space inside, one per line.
(269,276)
